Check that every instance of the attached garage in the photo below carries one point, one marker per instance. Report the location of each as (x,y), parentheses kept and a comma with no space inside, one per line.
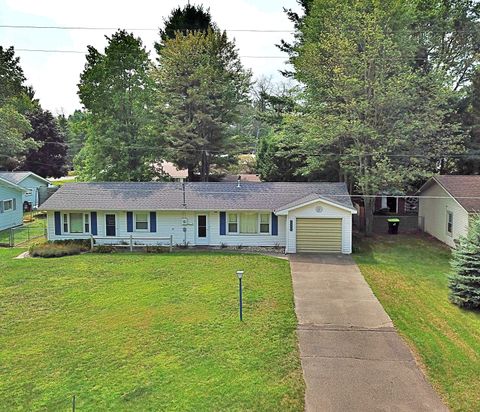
(322,235)
(318,225)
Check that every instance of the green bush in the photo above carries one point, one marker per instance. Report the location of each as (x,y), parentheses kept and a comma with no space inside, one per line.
(464,282)
(51,250)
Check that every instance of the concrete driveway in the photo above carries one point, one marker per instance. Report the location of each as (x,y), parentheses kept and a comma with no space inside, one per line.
(352,357)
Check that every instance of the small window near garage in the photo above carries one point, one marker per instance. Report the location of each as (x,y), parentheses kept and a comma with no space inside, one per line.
(141,221)
(264,223)
(29,192)
(87,223)
(76,223)
(65,223)
(449,223)
(7,205)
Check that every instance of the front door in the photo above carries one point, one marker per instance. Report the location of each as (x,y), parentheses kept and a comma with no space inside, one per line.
(202,229)
(110,225)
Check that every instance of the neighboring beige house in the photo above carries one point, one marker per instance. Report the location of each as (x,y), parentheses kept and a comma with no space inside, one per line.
(446,204)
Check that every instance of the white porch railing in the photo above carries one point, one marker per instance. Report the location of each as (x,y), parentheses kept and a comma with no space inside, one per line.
(130,241)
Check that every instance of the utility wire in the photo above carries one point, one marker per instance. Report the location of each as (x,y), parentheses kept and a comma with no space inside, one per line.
(302,153)
(156,29)
(233,30)
(86,51)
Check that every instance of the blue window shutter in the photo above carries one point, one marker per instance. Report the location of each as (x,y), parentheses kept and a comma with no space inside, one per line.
(223,223)
(129,221)
(93,223)
(153,221)
(274,224)
(14,204)
(58,224)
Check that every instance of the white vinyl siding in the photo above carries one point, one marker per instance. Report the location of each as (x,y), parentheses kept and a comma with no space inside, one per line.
(433,212)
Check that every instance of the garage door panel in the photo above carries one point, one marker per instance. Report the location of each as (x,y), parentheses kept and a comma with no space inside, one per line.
(319,235)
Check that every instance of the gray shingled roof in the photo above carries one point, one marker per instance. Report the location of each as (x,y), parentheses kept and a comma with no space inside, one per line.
(17,177)
(199,196)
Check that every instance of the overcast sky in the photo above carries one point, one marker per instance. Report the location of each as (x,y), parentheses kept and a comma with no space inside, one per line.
(55,76)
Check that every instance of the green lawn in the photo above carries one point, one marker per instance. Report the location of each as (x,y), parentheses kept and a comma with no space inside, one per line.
(147,332)
(409,277)
(26,234)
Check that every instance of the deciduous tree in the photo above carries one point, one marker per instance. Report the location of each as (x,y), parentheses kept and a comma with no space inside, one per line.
(117,92)
(383,121)
(49,159)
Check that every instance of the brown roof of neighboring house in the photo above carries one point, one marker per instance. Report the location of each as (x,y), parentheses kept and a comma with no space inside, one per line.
(171,170)
(464,188)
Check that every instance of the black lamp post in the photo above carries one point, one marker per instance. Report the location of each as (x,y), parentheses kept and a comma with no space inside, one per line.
(240,275)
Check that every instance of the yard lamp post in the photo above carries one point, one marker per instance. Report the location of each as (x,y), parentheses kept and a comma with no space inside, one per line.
(240,275)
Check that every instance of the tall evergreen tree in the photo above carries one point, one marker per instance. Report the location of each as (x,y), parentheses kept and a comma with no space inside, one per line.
(464,282)
(189,19)
(117,92)
(201,88)
(49,160)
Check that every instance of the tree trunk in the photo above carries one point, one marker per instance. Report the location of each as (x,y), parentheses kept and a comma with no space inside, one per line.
(204,166)
(191,174)
(369,206)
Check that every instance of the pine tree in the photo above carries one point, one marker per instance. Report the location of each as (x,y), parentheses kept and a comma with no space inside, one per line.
(465,280)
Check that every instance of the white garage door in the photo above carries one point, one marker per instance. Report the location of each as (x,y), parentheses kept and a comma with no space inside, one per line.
(319,235)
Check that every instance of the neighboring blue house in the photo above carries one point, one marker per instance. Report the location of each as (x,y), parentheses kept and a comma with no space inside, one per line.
(11,213)
(29,181)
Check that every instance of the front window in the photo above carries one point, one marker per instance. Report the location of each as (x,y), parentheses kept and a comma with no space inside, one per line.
(87,223)
(7,205)
(264,223)
(76,223)
(141,221)
(449,223)
(248,223)
(65,223)
(232,223)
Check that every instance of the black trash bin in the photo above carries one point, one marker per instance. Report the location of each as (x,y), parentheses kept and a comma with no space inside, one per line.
(393,224)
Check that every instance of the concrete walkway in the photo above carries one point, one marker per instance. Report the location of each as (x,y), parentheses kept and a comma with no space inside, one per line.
(352,357)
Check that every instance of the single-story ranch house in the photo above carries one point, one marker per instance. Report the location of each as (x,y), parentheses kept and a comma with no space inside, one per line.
(11,213)
(446,204)
(302,217)
(29,181)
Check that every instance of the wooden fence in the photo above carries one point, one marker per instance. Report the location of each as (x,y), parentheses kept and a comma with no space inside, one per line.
(130,241)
